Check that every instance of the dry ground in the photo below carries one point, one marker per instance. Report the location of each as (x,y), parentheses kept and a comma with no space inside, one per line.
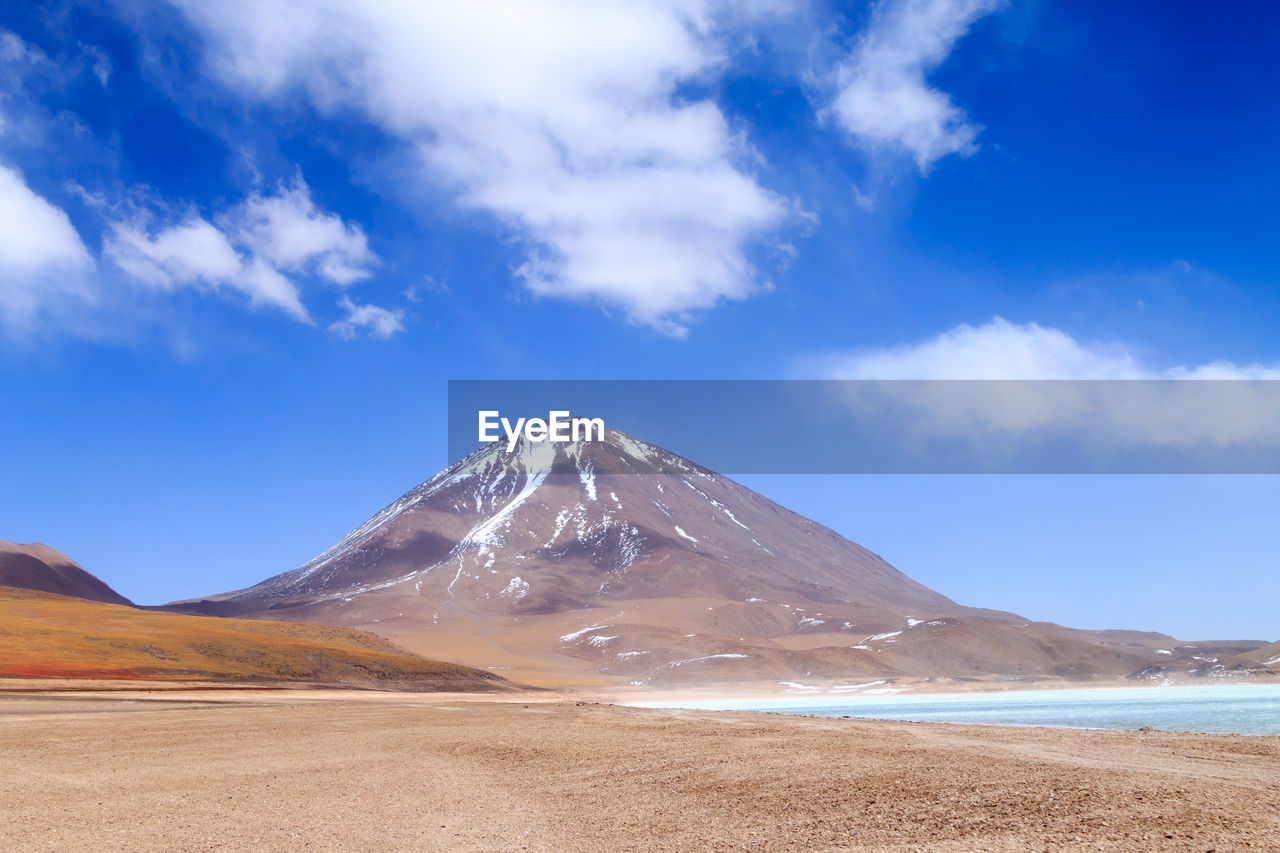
(318,770)
(43,634)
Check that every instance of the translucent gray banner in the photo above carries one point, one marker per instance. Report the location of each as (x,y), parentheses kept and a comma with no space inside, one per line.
(909,427)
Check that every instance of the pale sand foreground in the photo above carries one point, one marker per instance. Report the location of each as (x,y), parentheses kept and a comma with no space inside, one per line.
(317,770)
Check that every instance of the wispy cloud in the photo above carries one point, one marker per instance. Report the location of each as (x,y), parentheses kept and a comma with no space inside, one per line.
(560,119)
(884,98)
(291,233)
(195,253)
(258,249)
(378,322)
(43,263)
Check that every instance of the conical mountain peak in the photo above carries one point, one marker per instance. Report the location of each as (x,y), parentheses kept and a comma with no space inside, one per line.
(616,558)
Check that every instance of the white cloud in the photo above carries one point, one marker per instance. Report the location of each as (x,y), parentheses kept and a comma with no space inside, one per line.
(100,65)
(184,254)
(884,99)
(259,242)
(560,118)
(14,49)
(380,322)
(196,253)
(998,414)
(43,263)
(1003,350)
(290,232)
(1223,370)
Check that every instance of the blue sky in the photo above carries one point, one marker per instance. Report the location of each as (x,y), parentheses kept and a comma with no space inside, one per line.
(243,247)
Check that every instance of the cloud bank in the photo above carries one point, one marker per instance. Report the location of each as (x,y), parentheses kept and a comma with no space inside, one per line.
(1240,410)
(563,120)
(1003,350)
(587,133)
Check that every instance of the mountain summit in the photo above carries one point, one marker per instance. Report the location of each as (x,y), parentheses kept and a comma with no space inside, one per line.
(616,560)
(550,527)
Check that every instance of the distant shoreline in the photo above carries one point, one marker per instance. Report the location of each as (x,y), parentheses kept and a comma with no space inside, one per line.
(760,693)
(1241,709)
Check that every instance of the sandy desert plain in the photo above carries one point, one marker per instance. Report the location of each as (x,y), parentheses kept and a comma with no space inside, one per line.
(187,766)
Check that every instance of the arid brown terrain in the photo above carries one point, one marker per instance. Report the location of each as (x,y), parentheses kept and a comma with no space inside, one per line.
(308,770)
(58,636)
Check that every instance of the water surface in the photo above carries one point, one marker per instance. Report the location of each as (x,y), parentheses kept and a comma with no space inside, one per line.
(1235,709)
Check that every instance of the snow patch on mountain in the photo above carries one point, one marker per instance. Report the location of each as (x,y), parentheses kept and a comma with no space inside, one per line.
(797,687)
(569,638)
(517,589)
(726,656)
(587,475)
(536,460)
(850,688)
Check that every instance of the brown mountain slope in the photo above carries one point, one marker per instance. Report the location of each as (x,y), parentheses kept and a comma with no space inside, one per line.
(1265,656)
(602,521)
(617,561)
(48,635)
(41,568)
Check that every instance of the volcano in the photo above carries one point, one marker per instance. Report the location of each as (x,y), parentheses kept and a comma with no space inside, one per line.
(619,562)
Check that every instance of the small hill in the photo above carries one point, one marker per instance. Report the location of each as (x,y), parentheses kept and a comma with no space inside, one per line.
(44,569)
(1265,656)
(48,635)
